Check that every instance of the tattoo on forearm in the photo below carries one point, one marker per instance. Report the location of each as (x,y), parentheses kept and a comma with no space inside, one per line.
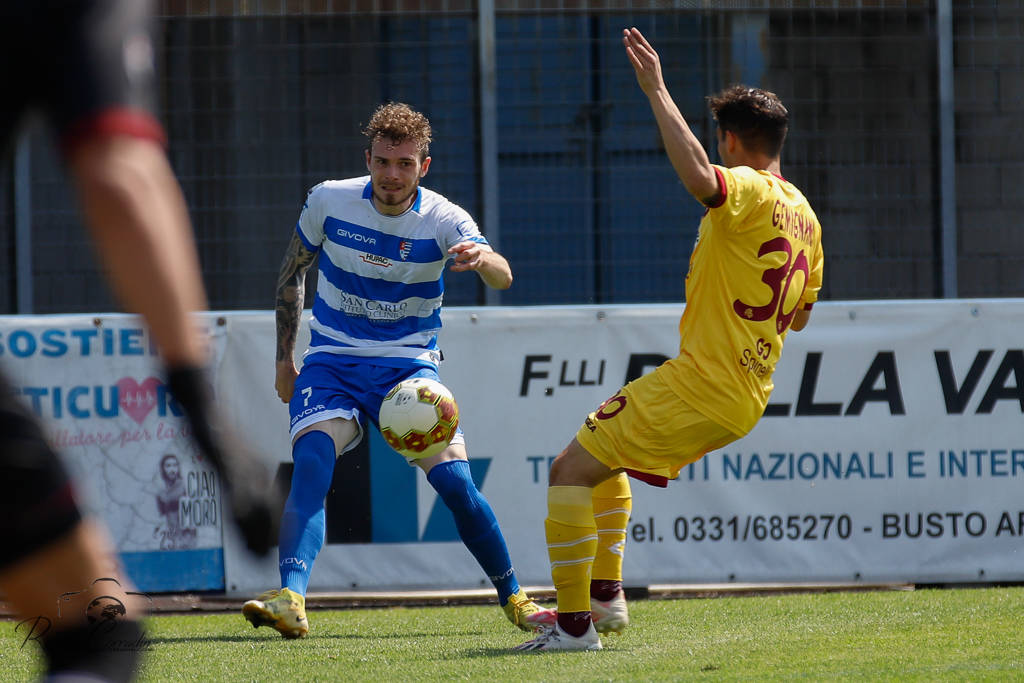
(291,291)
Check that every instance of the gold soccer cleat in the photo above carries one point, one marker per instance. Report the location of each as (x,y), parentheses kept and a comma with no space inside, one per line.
(523,612)
(283,610)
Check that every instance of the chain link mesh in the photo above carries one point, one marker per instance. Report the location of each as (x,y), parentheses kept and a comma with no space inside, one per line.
(262,99)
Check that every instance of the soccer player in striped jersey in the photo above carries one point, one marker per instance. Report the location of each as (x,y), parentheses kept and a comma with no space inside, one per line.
(754,274)
(384,243)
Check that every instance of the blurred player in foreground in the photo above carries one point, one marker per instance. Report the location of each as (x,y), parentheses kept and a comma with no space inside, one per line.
(383,242)
(754,274)
(87,65)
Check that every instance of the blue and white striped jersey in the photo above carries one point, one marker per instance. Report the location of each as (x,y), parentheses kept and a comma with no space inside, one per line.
(380,284)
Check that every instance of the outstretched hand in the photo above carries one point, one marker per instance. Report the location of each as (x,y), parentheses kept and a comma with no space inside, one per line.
(468,256)
(644,59)
(491,266)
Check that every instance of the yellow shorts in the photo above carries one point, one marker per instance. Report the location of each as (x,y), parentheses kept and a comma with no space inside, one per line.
(648,430)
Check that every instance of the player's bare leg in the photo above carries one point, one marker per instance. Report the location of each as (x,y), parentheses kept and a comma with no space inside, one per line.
(575,466)
(74,607)
(139,223)
(73,563)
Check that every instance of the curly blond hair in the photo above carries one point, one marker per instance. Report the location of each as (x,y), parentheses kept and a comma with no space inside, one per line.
(399,122)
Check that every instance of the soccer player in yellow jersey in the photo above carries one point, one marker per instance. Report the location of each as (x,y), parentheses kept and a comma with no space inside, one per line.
(754,274)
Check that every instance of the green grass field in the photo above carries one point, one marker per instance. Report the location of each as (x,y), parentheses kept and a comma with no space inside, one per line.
(923,635)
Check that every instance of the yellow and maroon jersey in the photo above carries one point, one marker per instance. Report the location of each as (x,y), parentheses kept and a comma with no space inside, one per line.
(757,260)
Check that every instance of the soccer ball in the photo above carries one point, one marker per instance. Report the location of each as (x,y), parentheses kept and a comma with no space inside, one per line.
(418,417)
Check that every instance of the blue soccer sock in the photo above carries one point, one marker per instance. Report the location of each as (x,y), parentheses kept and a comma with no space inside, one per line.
(476,524)
(303,523)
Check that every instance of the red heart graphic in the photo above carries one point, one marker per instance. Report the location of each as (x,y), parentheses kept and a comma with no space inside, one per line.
(137,399)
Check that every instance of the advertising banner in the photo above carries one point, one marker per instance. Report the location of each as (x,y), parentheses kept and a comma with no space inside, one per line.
(891,451)
(97,386)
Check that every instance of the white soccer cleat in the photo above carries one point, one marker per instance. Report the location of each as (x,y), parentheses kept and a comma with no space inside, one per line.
(610,616)
(554,638)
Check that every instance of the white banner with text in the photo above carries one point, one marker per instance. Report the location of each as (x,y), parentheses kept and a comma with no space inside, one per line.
(892,450)
(96,383)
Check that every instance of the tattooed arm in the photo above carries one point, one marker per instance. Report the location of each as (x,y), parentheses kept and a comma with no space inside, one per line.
(291,293)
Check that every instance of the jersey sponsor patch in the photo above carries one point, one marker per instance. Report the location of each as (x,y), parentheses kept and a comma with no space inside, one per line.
(374,310)
(375,260)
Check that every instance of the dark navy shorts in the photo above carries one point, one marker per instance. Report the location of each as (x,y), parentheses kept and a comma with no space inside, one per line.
(87,65)
(38,505)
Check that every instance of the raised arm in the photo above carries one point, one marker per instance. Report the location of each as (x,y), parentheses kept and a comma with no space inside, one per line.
(687,155)
(291,294)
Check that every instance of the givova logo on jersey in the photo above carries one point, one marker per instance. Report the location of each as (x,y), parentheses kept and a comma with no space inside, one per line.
(356,237)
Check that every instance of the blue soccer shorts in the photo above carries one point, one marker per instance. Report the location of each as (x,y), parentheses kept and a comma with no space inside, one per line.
(332,387)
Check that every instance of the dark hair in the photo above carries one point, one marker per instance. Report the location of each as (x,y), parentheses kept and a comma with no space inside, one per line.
(399,122)
(757,117)
(163,461)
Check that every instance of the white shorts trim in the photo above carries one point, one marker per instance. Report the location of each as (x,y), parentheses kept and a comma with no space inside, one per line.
(341,413)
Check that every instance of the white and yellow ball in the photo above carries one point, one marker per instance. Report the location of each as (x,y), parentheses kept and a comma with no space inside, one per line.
(418,417)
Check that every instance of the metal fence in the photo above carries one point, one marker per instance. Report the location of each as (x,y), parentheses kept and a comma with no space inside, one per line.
(542,133)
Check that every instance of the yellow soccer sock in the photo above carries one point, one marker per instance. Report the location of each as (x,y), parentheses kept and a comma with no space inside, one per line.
(572,541)
(613,503)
